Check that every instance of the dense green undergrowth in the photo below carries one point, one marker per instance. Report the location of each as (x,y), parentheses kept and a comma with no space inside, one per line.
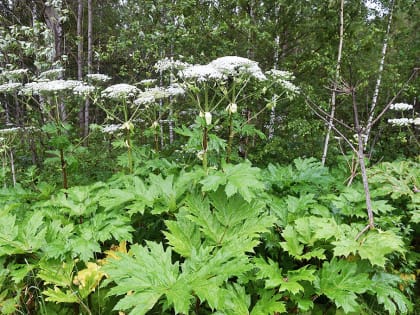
(230,240)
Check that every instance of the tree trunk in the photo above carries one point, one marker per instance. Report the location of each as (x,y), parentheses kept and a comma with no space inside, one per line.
(379,79)
(80,56)
(89,64)
(52,18)
(335,84)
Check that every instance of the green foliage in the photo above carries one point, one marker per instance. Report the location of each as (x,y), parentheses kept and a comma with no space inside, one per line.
(340,280)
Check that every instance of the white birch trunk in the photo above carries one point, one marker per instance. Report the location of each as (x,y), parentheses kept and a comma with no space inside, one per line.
(335,84)
(379,79)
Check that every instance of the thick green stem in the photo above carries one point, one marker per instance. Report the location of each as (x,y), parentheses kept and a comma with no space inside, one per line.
(129,153)
(205,141)
(63,169)
(230,139)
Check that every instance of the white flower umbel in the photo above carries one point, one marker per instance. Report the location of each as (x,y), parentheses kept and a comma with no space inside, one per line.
(175,90)
(284,78)
(120,91)
(52,74)
(280,74)
(170,64)
(401,121)
(234,66)
(416,121)
(151,96)
(84,89)
(14,74)
(98,77)
(401,107)
(111,128)
(10,87)
(202,73)
(148,82)
(50,87)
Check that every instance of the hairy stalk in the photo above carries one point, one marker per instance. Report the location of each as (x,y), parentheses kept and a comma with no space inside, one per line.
(205,143)
(230,139)
(63,169)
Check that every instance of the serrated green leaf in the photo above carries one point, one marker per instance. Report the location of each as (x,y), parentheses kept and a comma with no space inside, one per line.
(340,281)
(387,294)
(268,304)
(183,235)
(58,296)
(373,246)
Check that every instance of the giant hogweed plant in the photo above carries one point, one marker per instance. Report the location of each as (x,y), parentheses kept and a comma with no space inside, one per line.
(220,91)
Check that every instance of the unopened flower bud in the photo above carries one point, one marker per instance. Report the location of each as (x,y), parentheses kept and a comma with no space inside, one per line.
(155,124)
(207,117)
(232,108)
(128,125)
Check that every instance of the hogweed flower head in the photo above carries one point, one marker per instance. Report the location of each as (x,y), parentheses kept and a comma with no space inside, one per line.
(52,74)
(10,87)
(284,79)
(234,66)
(84,89)
(175,90)
(401,121)
(49,87)
(14,74)
(111,128)
(202,73)
(150,96)
(148,82)
(120,91)
(170,64)
(401,106)
(98,77)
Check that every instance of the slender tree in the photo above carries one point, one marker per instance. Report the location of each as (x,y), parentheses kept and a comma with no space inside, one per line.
(335,83)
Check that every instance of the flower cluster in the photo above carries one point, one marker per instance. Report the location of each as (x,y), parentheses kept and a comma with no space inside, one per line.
(284,78)
(401,107)
(52,74)
(10,87)
(120,91)
(202,73)
(84,89)
(170,64)
(14,74)
(112,128)
(49,87)
(401,121)
(175,90)
(98,77)
(233,66)
(148,82)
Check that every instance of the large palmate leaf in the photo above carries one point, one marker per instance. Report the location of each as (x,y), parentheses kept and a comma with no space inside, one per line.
(304,233)
(143,276)
(385,289)
(241,178)
(341,281)
(289,281)
(374,246)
